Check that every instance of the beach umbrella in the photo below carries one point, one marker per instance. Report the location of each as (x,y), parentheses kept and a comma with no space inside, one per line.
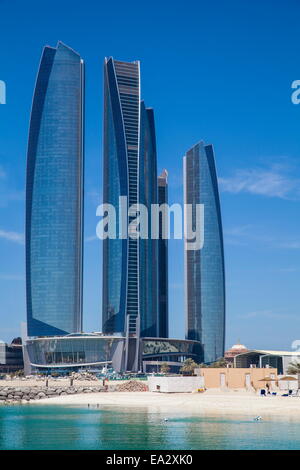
(288,379)
(267,379)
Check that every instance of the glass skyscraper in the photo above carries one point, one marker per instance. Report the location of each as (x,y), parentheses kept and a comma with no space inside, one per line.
(130,283)
(54,196)
(163,294)
(204,269)
(148,255)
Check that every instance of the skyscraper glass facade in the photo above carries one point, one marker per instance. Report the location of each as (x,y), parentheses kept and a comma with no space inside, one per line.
(163,295)
(148,261)
(54,196)
(129,268)
(204,269)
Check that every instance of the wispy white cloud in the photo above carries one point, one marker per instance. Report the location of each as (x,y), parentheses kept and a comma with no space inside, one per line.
(267,314)
(94,196)
(256,313)
(91,238)
(7,191)
(242,235)
(277,181)
(239,230)
(249,234)
(12,236)
(292,245)
(289,269)
(7,196)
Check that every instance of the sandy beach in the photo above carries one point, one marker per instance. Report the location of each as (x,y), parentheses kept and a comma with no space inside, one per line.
(211,402)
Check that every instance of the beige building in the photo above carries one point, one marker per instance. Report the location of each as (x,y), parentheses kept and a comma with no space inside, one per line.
(232,378)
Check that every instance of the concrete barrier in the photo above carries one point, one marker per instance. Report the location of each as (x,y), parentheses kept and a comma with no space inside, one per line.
(176,384)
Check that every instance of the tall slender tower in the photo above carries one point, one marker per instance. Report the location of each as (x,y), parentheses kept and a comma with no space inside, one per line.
(204,269)
(148,248)
(54,196)
(129,264)
(163,294)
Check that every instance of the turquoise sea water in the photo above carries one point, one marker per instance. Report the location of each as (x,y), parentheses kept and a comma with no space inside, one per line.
(56,427)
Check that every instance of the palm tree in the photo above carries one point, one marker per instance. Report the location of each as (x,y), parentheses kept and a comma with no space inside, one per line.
(219,363)
(294,368)
(188,367)
(165,368)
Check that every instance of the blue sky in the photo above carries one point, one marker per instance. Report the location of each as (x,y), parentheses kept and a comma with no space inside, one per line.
(220,71)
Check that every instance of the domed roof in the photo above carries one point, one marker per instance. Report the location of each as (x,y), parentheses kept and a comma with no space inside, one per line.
(238,346)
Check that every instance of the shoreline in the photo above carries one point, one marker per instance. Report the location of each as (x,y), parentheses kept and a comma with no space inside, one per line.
(208,403)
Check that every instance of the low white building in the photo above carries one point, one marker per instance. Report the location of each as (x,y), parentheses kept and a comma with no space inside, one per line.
(265,358)
(176,384)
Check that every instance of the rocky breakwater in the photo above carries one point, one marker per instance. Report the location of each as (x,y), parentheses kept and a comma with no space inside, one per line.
(26,394)
(132,386)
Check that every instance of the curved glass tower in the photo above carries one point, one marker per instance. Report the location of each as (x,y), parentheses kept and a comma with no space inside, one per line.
(54,196)
(129,269)
(148,258)
(163,294)
(204,269)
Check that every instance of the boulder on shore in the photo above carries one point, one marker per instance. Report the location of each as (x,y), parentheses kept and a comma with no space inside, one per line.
(132,386)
